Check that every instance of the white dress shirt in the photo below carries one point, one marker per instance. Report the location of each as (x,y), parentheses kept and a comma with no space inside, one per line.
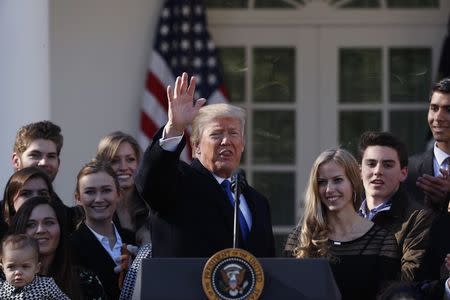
(439,160)
(115,252)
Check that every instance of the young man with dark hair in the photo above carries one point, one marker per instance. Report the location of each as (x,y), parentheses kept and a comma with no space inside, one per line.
(384,163)
(428,180)
(39,144)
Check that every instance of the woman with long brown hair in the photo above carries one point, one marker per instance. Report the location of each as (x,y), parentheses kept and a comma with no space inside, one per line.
(21,186)
(362,255)
(97,243)
(122,151)
(44,220)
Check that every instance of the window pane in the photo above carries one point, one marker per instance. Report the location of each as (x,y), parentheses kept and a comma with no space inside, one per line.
(359,75)
(410,74)
(279,188)
(357,3)
(412,128)
(280,241)
(226,3)
(234,68)
(413,3)
(277,3)
(274,75)
(274,137)
(353,123)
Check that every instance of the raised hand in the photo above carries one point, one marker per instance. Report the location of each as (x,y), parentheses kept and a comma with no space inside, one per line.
(182,107)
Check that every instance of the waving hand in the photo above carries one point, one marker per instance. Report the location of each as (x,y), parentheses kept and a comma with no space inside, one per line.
(182,107)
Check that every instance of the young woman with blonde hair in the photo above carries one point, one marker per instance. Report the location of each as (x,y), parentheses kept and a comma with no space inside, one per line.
(122,151)
(362,255)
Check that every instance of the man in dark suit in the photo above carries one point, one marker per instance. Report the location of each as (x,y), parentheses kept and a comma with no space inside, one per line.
(191,212)
(428,178)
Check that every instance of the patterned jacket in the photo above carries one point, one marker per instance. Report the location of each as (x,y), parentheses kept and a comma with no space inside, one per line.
(40,288)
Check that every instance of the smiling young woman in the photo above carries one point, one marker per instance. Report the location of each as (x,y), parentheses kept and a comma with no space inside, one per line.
(21,186)
(97,242)
(362,256)
(122,151)
(44,220)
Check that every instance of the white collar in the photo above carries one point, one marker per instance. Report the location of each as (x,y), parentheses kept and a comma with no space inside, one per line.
(220,179)
(101,237)
(439,154)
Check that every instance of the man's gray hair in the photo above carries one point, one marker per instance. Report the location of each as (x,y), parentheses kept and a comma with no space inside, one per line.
(213,111)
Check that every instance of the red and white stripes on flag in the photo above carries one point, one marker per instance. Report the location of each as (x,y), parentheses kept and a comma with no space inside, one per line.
(182,44)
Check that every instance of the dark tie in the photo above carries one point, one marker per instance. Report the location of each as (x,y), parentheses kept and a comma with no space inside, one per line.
(226,185)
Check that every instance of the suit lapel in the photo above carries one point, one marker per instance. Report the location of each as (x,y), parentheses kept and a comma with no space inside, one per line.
(220,198)
(92,245)
(427,166)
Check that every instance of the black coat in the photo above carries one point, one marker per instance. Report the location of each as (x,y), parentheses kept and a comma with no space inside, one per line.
(191,215)
(89,253)
(433,263)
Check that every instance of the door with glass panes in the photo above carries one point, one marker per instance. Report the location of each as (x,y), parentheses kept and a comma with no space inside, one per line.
(314,75)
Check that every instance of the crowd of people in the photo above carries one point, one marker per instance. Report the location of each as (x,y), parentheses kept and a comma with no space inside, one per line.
(379,218)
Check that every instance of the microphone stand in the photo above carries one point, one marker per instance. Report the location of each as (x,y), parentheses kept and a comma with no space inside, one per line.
(236,189)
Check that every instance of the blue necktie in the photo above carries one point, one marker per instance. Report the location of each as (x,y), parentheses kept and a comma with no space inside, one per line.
(226,185)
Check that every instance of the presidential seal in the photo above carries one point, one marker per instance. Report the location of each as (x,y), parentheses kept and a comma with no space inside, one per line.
(233,274)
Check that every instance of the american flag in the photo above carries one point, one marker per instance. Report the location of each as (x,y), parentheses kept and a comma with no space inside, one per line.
(182,44)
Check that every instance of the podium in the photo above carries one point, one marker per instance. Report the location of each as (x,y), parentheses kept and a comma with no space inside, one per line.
(285,278)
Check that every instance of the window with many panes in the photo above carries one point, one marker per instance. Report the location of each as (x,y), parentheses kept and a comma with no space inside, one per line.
(399,106)
(262,80)
(315,74)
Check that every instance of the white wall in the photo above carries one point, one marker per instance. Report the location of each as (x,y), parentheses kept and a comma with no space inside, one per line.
(99,51)
(99,55)
(24,72)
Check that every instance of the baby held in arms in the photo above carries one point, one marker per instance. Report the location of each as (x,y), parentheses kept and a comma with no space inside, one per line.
(20,265)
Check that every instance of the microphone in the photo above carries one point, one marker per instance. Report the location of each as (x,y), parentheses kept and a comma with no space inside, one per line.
(238,181)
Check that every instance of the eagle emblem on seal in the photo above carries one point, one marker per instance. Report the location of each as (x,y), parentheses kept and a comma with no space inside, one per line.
(233,277)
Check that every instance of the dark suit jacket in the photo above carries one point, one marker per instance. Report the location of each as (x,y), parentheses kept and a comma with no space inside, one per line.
(410,223)
(191,215)
(90,254)
(433,263)
(418,165)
